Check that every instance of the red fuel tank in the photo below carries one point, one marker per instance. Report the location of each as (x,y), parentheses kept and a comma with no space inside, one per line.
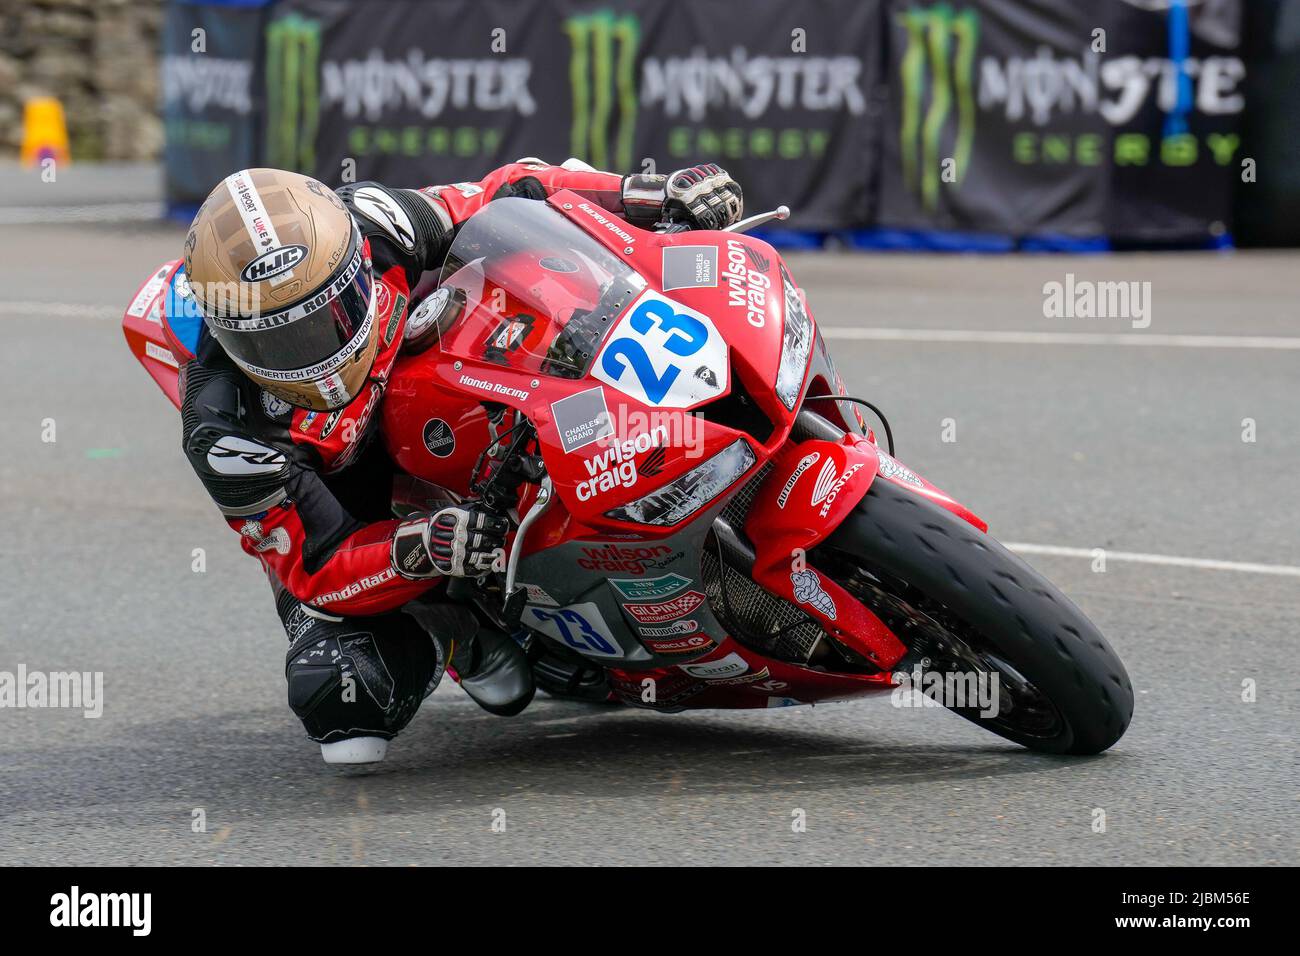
(430,432)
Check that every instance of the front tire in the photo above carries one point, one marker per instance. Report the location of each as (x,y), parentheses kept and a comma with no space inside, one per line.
(959,597)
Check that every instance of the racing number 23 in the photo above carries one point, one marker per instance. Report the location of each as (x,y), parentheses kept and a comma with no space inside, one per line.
(686,336)
(576,631)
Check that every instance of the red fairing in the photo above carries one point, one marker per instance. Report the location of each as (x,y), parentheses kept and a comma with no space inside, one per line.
(813,487)
(745,313)
(712,305)
(433,433)
(734,677)
(891,469)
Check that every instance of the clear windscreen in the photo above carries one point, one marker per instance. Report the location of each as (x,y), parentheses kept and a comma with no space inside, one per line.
(540,294)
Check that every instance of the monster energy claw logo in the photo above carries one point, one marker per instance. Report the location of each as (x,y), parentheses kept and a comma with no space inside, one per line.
(602,79)
(292,91)
(941,43)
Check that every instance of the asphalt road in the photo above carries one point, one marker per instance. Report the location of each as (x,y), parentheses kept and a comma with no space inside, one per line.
(1132,449)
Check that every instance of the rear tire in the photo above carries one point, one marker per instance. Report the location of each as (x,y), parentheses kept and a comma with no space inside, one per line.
(922,564)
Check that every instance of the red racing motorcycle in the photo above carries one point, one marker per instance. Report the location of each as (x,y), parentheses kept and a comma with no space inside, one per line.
(702,516)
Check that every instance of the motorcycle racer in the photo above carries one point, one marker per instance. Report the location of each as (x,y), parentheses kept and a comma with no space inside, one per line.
(304,293)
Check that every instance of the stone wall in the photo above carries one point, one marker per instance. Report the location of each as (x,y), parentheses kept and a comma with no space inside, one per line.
(99,57)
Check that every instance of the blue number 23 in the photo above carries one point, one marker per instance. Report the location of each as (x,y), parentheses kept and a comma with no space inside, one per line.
(687,336)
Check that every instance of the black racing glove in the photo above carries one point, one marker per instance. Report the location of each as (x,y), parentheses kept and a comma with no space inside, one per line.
(458,542)
(705,196)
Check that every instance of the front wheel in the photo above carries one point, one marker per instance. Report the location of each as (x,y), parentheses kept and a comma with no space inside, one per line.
(961,602)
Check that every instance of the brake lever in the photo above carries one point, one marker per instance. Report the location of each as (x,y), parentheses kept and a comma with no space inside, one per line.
(516,597)
(780,214)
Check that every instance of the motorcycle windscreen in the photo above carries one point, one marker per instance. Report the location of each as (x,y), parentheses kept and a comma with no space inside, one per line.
(540,294)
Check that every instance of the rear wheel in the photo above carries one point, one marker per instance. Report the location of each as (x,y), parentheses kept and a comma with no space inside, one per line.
(963,603)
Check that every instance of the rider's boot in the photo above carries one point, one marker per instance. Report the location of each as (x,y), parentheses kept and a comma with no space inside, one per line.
(489,666)
(494,671)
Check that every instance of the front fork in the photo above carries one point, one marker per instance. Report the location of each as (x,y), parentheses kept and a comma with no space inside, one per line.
(812,487)
(815,484)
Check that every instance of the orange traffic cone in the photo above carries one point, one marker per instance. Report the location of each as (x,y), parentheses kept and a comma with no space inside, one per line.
(45,132)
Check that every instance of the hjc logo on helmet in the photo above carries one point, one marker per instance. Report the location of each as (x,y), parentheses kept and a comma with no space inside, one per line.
(273,262)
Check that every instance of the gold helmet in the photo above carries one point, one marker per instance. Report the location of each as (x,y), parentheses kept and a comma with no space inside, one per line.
(277,267)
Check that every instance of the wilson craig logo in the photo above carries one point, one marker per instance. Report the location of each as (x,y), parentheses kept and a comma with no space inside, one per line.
(938,59)
(603,50)
(292,91)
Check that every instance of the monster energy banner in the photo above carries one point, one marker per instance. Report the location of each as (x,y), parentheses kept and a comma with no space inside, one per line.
(1017,118)
(779,93)
(210,93)
(1176,147)
(411,92)
(1022,117)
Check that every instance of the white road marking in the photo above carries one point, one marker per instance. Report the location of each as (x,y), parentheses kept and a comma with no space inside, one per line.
(62,310)
(69,310)
(1140,339)
(1208,564)
(98,212)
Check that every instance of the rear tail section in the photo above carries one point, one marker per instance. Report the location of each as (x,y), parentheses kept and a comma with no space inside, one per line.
(161,327)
